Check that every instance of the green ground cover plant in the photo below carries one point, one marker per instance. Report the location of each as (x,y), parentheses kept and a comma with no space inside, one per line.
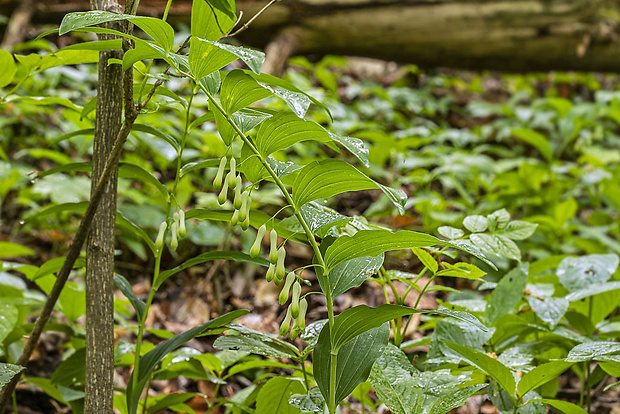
(509,206)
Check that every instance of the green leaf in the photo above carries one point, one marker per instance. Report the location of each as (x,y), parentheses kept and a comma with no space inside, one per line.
(588,351)
(496,244)
(592,290)
(274,395)
(8,249)
(354,360)
(54,265)
(127,170)
(7,63)
(492,367)
(519,230)
(373,243)
(239,91)
(475,224)
(354,145)
(162,402)
(45,101)
(225,7)
(562,406)
(450,232)
(205,257)
(159,30)
(72,370)
(352,273)
(149,361)
(112,44)
(321,218)
(391,378)
(541,375)
(549,309)
(143,50)
(426,259)
(312,402)
(285,129)
(275,81)
(326,178)
(577,273)
(8,320)
(507,294)
(125,287)
(209,23)
(158,133)
(462,270)
(359,319)
(536,140)
(206,57)
(7,372)
(451,400)
(254,343)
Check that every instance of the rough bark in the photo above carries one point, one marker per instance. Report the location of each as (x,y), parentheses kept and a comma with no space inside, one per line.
(514,35)
(99,387)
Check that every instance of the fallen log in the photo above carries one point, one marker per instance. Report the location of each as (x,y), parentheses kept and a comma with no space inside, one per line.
(510,35)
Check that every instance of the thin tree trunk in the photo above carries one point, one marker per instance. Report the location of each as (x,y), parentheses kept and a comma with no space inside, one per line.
(100,248)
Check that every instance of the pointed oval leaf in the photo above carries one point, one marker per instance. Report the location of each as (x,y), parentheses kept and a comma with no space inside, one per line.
(507,294)
(206,57)
(353,363)
(7,372)
(274,395)
(373,243)
(7,63)
(240,90)
(492,367)
(541,375)
(326,178)
(285,129)
(562,406)
(359,319)
(125,287)
(275,81)
(159,30)
(352,273)
(588,351)
(475,224)
(581,272)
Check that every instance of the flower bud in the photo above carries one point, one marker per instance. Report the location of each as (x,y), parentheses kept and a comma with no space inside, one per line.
(182,229)
(290,278)
(245,206)
(286,323)
(255,250)
(174,243)
(217,181)
(295,299)
(300,320)
(294,332)
(223,196)
(280,269)
(237,201)
(159,242)
(235,218)
(273,251)
(245,224)
(271,272)
(231,180)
